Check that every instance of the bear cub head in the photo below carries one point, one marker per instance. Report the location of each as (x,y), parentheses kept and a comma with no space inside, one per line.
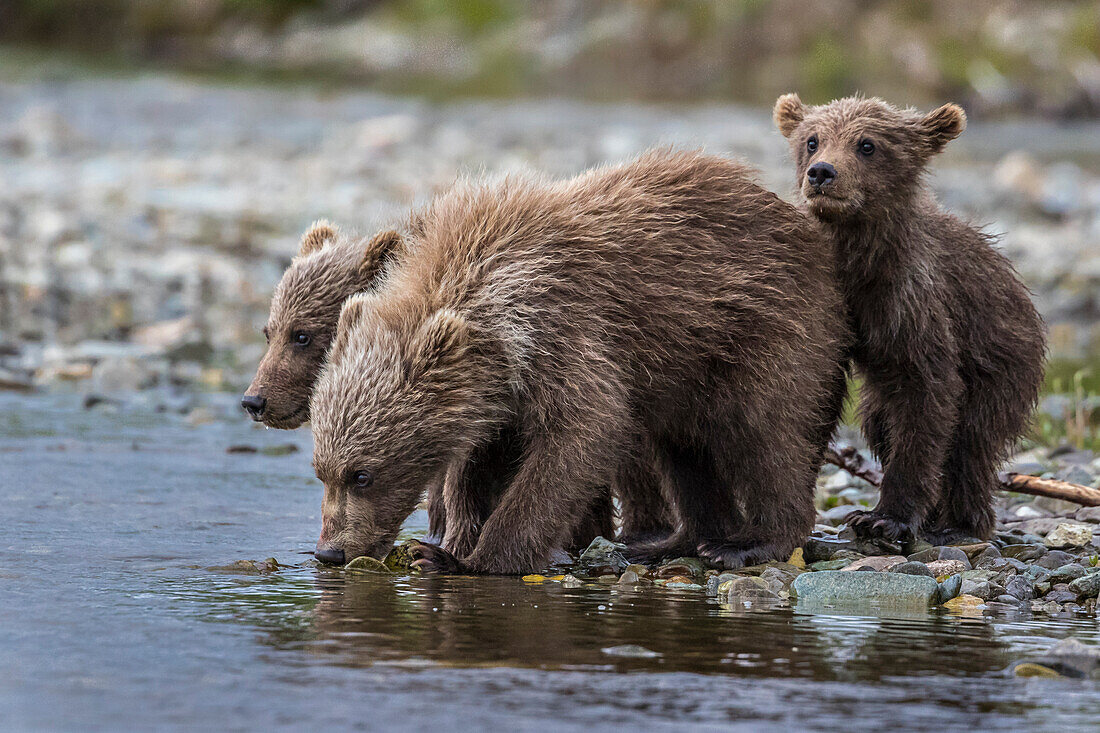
(395,405)
(857,158)
(302,321)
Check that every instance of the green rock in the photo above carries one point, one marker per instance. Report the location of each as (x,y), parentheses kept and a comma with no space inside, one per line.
(691,567)
(398,560)
(369,564)
(864,592)
(829,565)
(1087,586)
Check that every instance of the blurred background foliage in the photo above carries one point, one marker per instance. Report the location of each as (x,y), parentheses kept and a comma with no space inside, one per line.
(994,57)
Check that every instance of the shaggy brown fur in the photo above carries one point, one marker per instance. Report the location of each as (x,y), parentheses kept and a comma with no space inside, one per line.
(329,269)
(668,310)
(946,338)
(304,311)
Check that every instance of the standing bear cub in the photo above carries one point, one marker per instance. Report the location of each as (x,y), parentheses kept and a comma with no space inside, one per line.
(668,310)
(946,337)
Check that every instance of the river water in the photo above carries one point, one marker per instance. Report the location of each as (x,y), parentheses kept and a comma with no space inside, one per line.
(112,616)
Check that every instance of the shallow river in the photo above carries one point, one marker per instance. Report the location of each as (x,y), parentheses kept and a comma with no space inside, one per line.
(111,618)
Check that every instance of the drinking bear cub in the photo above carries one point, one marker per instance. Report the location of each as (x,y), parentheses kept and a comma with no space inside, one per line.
(669,309)
(946,337)
(302,321)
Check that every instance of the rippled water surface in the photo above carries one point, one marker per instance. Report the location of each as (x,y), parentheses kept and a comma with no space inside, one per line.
(111,618)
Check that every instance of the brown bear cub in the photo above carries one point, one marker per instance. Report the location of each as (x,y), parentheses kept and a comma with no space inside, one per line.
(302,321)
(947,340)
(304,312)
(668,310)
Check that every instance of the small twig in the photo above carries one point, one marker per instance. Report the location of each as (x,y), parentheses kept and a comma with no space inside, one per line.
(854,463)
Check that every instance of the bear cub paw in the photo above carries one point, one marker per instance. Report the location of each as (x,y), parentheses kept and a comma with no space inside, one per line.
(434,559)
(875,525)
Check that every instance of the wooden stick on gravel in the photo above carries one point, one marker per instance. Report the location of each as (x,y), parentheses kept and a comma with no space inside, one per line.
(854,463)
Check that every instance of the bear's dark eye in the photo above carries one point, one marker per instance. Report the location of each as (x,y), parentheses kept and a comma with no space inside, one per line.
(866,147)
(301,338)
(811,144)
(362,479)
(267,335)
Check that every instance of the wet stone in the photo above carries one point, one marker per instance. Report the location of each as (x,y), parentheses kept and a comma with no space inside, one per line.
(1007,604)
(691,567)
(954,553)
(367,563)
(602,557)
(950,587)
(629,578)
(887,591)
(965,605)
(877,562)
(1072,658)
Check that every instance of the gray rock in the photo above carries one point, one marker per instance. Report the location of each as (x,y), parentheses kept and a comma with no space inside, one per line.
(954,553)
(1055,559)
(979,588)
(1088,514)
(1021,588)
(750,590)
(1076,474)
(1009,602)
(913,568)
(1060,596)
(630,651)
(864,591)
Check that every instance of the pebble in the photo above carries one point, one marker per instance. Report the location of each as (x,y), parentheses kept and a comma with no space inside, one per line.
(940,568)
(630,651)
(602,557)
(367,563)
(978,588)
(950,588)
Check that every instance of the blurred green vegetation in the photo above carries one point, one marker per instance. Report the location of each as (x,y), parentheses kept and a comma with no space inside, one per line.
(991,55)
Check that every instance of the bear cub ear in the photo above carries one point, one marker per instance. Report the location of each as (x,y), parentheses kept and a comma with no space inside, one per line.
(943,125)
(382,248)
(319,233)
(442,340)
(788,113)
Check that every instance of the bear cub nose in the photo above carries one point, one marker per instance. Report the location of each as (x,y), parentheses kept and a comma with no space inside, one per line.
(329,555)
(254,405)
(821,175)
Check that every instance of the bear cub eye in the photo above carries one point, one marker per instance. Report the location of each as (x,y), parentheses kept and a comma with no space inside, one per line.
(811,144)
(866,147)
(362,479)
(301,338)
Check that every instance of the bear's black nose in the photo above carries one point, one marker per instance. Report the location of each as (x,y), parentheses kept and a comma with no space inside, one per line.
(329,555)
(821,175)
(254,404)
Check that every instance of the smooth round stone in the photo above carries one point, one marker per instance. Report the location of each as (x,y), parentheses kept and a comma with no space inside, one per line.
(1024,552)
(914,568)
(939,568)
(1086,587)
(950,587)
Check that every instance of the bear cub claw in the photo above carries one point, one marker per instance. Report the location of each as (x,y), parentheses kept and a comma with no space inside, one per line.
(434,559)
(874,525)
